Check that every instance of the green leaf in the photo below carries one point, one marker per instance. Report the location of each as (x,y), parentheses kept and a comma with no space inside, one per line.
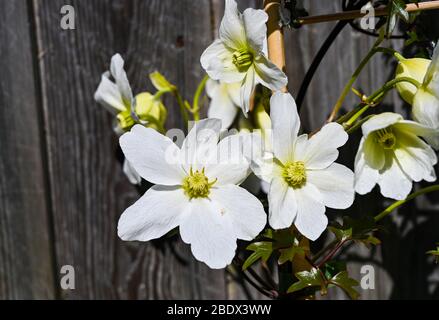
(340,233)
(399,9)
(289,254)
(262,250)
(312,278)
(332,268)
(358,230)
(343,281)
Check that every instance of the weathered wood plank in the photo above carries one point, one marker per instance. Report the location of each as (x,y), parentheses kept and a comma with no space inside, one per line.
(89,189)
(26,265)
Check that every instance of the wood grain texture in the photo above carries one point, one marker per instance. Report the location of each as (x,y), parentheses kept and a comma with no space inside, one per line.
(26,260)
(62,189)
(89,189)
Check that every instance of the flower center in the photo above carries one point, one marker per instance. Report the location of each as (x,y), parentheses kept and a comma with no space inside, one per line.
(294,173)
(242,59)
(386,138)
(197,185)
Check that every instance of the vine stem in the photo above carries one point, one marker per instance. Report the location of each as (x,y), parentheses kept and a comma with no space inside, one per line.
(352,80)
(376,96)
(399,203)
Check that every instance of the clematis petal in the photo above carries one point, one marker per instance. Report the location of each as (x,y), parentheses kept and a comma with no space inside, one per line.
(156,213)
(232,31)
(416,128)
(200,144)
(210,234)
(393,182)
(120,76)
(321,149)
(222,106)
(247,88)
(431,80)
(131,173)
(415,157)
(229,164)
(311,220)
(380,121)
(153,156)
(282,203)
(335,184)
(255,28)
(373,153)
(365,176)
(109,96)
(426,111)
(217,61)
(285,123)
(246,212)
(269,75)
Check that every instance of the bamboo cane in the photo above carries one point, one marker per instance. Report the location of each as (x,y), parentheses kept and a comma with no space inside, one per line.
(355,14)
(276,53)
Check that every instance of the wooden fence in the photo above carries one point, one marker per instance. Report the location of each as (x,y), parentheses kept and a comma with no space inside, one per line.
(62,189)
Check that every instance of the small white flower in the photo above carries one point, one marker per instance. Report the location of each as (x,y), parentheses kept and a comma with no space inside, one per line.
(224,101)
(425,100)
(238,55)
(301,171)
(196,189)
(392,155)
(116,96)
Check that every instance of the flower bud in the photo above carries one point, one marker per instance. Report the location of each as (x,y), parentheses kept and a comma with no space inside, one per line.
(415,68)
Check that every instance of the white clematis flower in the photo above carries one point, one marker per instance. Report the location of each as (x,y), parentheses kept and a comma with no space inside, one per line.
(196,189)
(238,55)
(393,156)
(117,98)
(301,171)
(224,101)
(425,100)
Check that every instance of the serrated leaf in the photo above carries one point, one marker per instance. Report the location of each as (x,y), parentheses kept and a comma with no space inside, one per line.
(341,234)
(312,278)
(343,281)
(289,254)
(334,267)
(262,250)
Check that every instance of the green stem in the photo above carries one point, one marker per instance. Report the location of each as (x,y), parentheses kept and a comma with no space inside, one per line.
(376,96)
(375,49)
(182,106)
(358,124)
(399,203)
(196,104)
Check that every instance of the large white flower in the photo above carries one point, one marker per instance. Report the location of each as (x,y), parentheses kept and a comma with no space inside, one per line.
(238,55)
(224,101)
(196,189)
(392,155)
(301,171)
(425,100)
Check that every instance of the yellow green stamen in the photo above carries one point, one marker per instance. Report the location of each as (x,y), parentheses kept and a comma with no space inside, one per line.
(197,185)
(242,59)
(294,173)
(386,138)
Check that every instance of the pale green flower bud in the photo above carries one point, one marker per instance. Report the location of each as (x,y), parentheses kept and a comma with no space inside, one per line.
(415,68)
